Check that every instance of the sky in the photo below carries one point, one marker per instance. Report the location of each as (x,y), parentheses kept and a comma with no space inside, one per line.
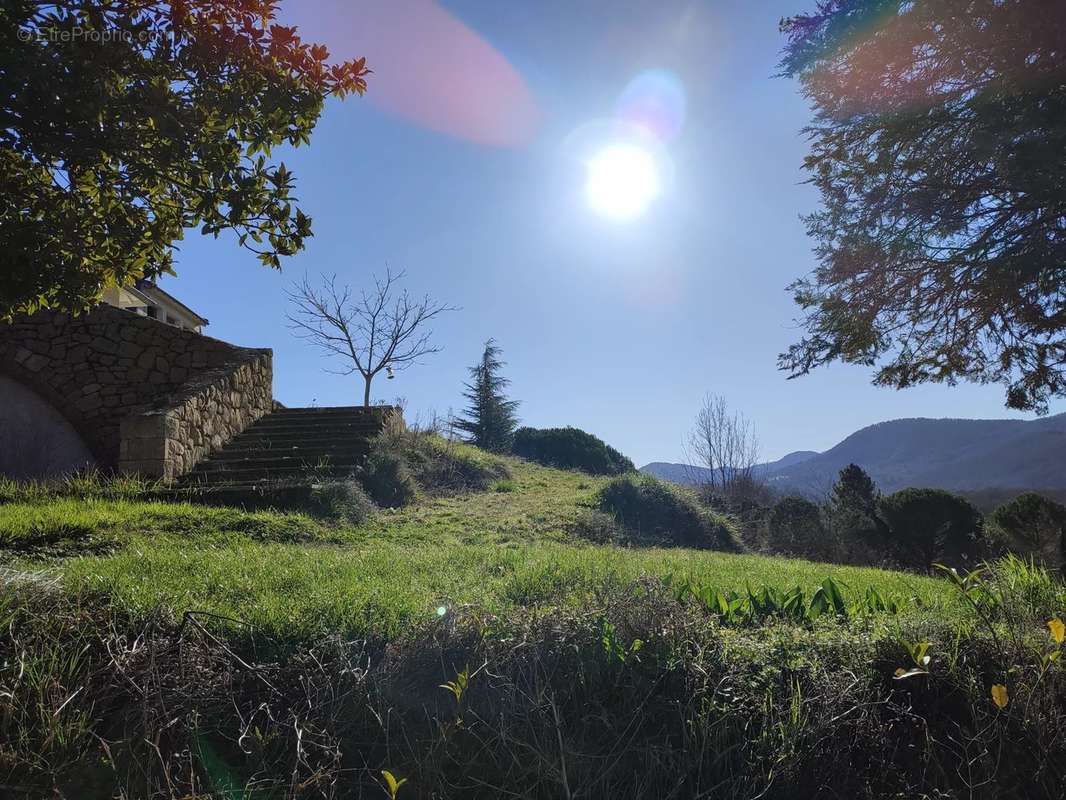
(465,165)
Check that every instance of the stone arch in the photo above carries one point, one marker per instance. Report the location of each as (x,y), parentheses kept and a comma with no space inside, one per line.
(36,439)
(22,368)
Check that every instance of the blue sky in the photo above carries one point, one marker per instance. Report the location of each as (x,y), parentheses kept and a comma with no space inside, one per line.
(617,328)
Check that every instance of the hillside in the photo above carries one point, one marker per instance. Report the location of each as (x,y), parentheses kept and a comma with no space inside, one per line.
(497,549)
(468,645)
(954,454)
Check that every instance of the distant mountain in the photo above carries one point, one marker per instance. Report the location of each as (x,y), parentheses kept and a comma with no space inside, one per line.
(955,454)
(689,474)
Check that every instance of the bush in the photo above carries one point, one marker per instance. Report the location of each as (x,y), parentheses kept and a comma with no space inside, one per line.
(388,479)
(1031,526)
(795,528)
(442,466)
(597,527)
(403,461)
(932,526)
(654,510)
(342,501)
(570,448)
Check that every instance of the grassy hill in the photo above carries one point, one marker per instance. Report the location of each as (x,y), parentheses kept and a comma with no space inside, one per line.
(295,577)
(472,644)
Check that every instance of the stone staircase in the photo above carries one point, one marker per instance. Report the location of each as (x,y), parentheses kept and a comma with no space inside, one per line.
(292,445)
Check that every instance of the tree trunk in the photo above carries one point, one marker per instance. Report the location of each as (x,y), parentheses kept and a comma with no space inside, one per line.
(366,394)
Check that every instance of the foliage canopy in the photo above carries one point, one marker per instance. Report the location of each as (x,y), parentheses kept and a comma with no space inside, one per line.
(570,448)
(128,121)
(939,149)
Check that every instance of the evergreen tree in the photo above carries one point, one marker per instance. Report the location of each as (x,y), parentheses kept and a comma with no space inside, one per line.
(854,508)
(128,123)
(939,148)
(855,491)
(489,421)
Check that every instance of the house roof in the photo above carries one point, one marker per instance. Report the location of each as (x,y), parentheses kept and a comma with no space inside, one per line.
(152,293)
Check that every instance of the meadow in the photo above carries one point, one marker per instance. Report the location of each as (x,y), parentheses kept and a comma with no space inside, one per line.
(472,645)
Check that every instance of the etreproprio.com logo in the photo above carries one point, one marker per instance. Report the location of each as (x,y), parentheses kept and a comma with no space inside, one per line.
(93,35)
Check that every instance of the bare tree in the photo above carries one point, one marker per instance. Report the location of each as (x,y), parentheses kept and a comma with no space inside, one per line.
(382,330)
(724,444)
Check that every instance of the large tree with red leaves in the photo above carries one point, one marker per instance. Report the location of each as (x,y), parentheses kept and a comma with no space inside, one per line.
(125,122)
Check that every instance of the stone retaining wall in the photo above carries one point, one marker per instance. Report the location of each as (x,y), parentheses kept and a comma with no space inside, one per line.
(168,442)
(144,396)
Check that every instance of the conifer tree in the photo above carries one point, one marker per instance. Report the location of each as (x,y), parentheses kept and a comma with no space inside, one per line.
(856,497)
(489,420)
(855,491)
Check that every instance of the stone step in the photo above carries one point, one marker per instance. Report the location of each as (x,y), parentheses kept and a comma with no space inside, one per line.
(287,441)
(360,428)
(268,461)
(330,449)
(250,496)
(291,446)
(328,411)
(257,475)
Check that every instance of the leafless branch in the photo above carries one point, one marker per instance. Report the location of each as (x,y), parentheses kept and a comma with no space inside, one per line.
(724,442)
(383,328)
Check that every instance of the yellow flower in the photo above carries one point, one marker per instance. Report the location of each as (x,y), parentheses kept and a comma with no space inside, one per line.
(999,695)
(1058,630)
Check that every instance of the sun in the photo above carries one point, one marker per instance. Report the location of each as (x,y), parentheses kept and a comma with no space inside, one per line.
(622,181)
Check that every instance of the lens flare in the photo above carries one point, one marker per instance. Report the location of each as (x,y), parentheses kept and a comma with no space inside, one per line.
(626,161)
(431,69)
(654,101)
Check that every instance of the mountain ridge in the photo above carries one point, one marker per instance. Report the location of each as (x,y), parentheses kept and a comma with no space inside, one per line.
(947,453)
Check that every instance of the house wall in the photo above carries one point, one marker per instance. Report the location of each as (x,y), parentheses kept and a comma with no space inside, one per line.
(114,375)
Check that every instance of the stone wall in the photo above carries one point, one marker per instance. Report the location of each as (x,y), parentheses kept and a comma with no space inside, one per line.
(143,395)
(168,442)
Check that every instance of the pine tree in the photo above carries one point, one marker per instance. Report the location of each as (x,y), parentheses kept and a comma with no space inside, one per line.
(855,491)
(856,498)
(489,421)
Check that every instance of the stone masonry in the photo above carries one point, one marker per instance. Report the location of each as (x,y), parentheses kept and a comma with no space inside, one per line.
(145,397)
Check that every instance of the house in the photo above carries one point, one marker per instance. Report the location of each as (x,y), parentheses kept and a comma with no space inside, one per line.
(148,300)
(133,386)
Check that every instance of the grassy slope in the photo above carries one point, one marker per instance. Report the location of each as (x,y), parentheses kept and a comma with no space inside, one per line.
(774,709)
(294,578)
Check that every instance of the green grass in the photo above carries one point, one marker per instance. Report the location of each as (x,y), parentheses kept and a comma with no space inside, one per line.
(570,653)
(294,578)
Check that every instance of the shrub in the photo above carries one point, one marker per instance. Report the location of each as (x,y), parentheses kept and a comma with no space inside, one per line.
(431,463)
(443,466)
(388,479)
(743,494)
(597,527)
(931,525)
(654,510)
(342,501)
(570,448)
(1030,526)
(795,528)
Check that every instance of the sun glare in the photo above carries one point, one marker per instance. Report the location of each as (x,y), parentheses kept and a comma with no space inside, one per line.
(623,179)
